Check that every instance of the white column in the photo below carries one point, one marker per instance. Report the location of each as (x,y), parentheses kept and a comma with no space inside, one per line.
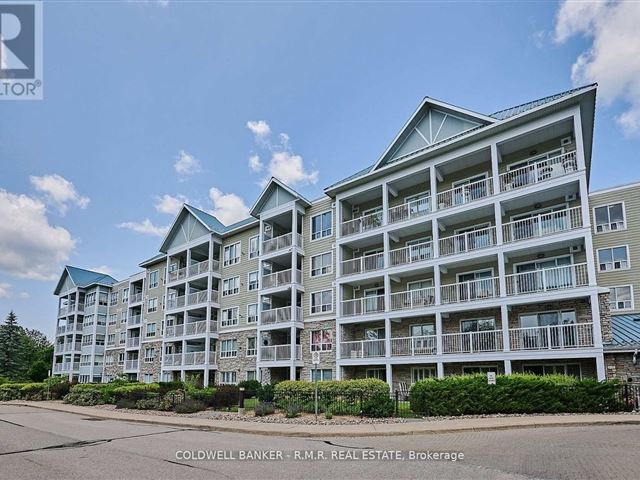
(207,345)
(577,131)
(438,333)
(595,316)
(385,203)
(435,238)
(387,337)
(338,219)
(389,372)
(495,168)
(504,320)
(498,222)
(440,369)
(433,179)
(600,369)
(338,339)
(502,279)
(507,367)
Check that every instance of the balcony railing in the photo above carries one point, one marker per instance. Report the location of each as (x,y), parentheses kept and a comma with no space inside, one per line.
(68,366)
(542,225)
(135,297)
(548,279)
(195,358)
(134,320)
(539,171)
(172,359)
(179,274)
(279,315)
(280,243)
(280,278)
(71,327)
(366,263)
(361,224)
(131,365)
(410,346)
(575,335)
(412,299)
(468,241)
(411,254)
(133,342)
(190,328)
(472,342)
(203,267)
(194,298)
(467,193)
(407,211)
(363,306)
(70,347)
(362,349)
(275,353)
(472,290)
(70,309)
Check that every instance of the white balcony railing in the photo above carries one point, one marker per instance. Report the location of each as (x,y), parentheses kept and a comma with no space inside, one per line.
(472,342)
(194,298)
(190,328)
(203,267)
(179,274)
(467,193)
(133,342)
(366,263)
(172,359)
(59,348)
(363,306)
(131,364)
(194,358)
(275,353)
(70,347)
(279,315)
(539,171)
(279,243)
(468,241)
(280,278)
(412,299)
(71,308)
(407,211)
(542,225)
(481,289)
(362,349)
(548,279)
(411,254)
(134,320)
(135,297)
(361,224)
(410,346)
(574,335)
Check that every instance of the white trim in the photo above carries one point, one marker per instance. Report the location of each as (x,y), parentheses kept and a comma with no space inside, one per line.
(223,316)
(540,211)
(542,312)
(477,320)
(257,272)
(149,287)
(330,235)
(490,269)
(257,253)
(222,294)
(614,189)
(257,304)
(238,258)
(322,312)
(632,299)
(545,259)
(614,269)
(330,272)
(472,228)
(429,280)
(415,196)
(418,241)
(465,181)
(333,340)
(535,158)
(624,217)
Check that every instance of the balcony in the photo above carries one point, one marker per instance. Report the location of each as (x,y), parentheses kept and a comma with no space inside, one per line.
(363,306)
(464,194)
(468,241)
(411,254)
(59,348)
(411,346)
(279,315)
(172,359)
(194,270)
(134,320)
(131,365)
(473,290)
(413,299)
(276,353)
(365,223)
(68,309)
(133,342)
(362,349)
(61,329)
(576,335)
(539,171)
(366,263)
(194,358)
(548,279)
(66,367)
(472,342)
(72,327)
(135,298)
(194,298)
(542,225)
(191,328)
(280,243)
(410,210)
(280,278)
(73,347)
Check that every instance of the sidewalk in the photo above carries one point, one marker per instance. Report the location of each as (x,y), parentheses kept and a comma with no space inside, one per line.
(413,427)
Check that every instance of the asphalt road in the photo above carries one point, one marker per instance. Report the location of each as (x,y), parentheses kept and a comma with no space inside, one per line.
(36,443)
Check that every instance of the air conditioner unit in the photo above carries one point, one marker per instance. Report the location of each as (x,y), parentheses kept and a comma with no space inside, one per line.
(566,141)
(571,197)
(575,248)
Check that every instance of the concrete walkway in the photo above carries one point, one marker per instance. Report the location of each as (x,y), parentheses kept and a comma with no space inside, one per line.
(411,427)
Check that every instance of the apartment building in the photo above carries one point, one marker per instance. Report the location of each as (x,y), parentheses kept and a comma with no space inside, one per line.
(466,247)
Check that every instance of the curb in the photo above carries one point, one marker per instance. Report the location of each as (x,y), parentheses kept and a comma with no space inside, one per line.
(291,431)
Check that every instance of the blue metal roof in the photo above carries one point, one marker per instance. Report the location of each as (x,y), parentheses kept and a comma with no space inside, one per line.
(153,259)
(625,330)
(209,220)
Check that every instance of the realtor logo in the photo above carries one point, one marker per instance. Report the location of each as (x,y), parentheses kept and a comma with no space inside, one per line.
(20,50)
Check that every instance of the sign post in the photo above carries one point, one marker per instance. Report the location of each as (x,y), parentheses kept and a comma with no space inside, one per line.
(315,359)
(491,378)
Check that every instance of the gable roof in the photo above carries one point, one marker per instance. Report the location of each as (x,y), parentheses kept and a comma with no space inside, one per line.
(152,260)
(272,184)
(84,278)
(625,331)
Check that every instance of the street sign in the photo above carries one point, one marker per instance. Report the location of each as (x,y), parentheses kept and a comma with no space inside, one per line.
(315,358)
(491,378)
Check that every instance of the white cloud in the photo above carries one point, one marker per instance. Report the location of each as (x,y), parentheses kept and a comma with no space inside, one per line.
(103,269)
(613,58)
(228,207)
(169,204)
(145,227)
(24,295)
(290,169)
(255,164)
(29,246)
(260,128)
(186,164)
(5,290)
(59,192)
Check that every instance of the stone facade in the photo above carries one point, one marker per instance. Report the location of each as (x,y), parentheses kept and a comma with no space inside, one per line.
(152,367)
(620,365)
(113,370)
(327,358)
(241,363)
(605,317)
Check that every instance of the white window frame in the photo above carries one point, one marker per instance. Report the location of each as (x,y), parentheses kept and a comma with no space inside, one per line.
(149,359)
(483,366)
(235,260)
(483,319)
(228,381)
(157,275)
(609,229)
(146,330)
(628,267)
(113,318)
(414,370)
(251,375)
(254,253)
(230,323)
(322,233)
(322,267)
(321,372)
(321,311)
(322,342)
(151,309)
(233,291)
(255,285)
(125,295)
(546,365)
(611,300)
(233,353)
(256,315)
(252,352)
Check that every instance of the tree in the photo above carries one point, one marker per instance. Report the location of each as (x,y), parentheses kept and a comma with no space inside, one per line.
(12,349)
(39,371)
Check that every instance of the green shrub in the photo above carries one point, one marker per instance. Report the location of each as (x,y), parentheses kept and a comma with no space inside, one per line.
(4,380)
(33,391)
(11,391)
(135,390)
(164,387)
(84,397)
(251,388)
(328,415)
(263,408)
(292,411)
(150,402)
(126,402)
(378,406)
(516,393)
(204,395)
(189,406)
(266,392)
(225,396)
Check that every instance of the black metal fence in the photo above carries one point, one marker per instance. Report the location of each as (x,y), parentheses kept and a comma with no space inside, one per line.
(629,397)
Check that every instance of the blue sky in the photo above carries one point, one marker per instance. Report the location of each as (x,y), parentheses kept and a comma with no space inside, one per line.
(154,98)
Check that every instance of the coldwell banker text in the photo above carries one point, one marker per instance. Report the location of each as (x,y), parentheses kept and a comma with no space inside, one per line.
(318,455)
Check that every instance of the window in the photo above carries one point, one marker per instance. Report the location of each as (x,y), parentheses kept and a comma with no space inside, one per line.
(231,254)
(251,375)
(147,378)
(616,258)
(113,319)
(230,286)
(125,295)
(87,340)
(121,359)
(321,225)
(227,378)
(153,279)
(321,264)
(149,354)
(253,281)
(321,375)
(571,369)
(152,305)
(379,373)
(108,360)
(123,317)
(471,369)
(321,340)
(609,218)
(123,338)
(322,301)
(103,299)
(252,313)
(423,330)
(252,350)
(478,325)
(90,299)
(621,298)
(151,330)
(114,298)
(111,339)
(228,348)
(229,317)
(254,247)
(422,373)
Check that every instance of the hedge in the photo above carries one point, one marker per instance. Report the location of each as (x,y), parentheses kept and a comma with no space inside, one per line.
(516,393)
(365,387)
(33,391)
